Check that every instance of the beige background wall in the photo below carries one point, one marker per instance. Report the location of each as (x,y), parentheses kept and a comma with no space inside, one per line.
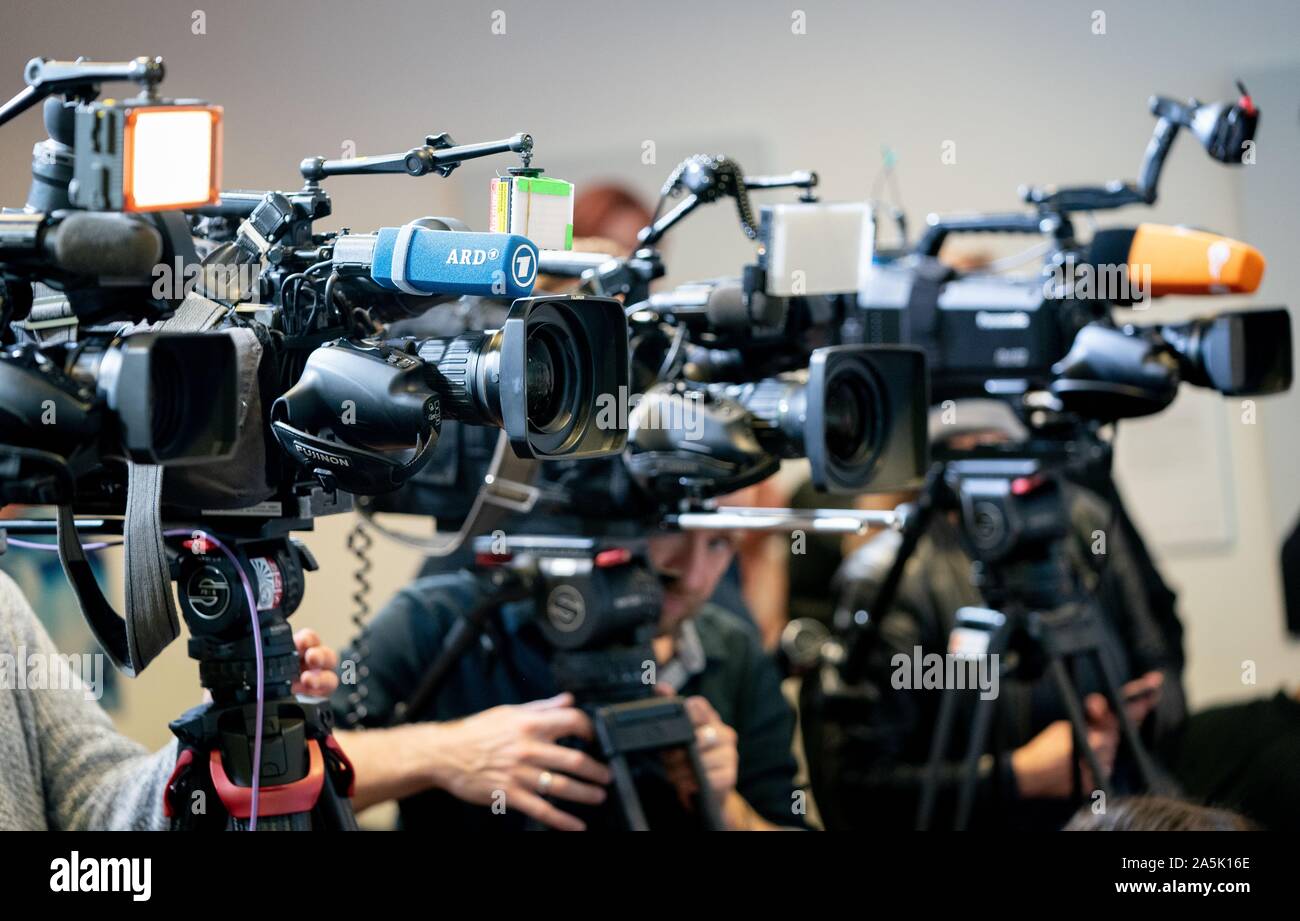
(1026,90)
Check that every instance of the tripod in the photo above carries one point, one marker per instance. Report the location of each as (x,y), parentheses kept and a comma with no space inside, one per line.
(1069,638)
(1014,524)
(295,776)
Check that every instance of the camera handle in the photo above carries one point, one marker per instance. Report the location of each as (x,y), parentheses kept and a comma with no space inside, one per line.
(359,469)
(1171,116)
(80,79)
(940,226)
(1202,120)
(438,154)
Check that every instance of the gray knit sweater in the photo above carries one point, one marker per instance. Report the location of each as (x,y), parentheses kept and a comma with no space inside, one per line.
(62,764)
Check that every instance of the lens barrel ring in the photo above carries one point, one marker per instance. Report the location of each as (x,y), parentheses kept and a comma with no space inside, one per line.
(456,360)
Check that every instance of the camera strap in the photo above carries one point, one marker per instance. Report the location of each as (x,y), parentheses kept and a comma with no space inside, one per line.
(507,489)
(151,621)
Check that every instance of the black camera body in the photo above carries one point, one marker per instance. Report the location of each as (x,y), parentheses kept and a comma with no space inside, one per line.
(133,397)
(361,417)
(857,413)
(982,336)
(365,415)
(87,384)
(1112,373)
(1053,333)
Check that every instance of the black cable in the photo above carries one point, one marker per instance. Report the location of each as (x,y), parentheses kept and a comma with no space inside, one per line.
(359,543)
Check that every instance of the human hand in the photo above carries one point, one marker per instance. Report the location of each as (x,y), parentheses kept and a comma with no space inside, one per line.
(511,751)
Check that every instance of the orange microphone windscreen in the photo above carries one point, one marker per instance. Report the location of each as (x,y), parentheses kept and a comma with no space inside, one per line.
(1179,260)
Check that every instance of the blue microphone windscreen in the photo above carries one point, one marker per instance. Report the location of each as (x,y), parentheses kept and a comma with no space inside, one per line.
(502,265)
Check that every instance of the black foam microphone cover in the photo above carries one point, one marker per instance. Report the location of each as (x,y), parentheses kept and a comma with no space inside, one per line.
(104,244)
(726,308)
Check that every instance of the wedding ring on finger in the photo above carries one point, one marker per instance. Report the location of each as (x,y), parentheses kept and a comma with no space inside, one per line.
(710,734)
(544,781)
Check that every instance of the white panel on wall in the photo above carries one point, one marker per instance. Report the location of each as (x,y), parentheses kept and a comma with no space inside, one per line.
(1177,467)
(1270,219)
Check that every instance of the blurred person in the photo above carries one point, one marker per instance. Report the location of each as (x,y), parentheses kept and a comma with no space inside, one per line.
(612,211)
(876,764)
(499,722)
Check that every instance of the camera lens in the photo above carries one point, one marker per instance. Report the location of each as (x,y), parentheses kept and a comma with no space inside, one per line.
(541,376)
(551,378)
(840,415)
(170,389)
(174,394)
(848,418)
(560,372)
(541,381)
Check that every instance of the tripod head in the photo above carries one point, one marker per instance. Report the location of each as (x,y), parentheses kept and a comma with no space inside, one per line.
(1013,521)
(216,607)
(598,604)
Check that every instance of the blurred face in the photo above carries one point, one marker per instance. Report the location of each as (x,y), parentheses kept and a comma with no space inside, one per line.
(622,227)
(690,563)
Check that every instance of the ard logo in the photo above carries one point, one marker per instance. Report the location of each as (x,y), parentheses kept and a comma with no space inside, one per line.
(523,266)
(467,257)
